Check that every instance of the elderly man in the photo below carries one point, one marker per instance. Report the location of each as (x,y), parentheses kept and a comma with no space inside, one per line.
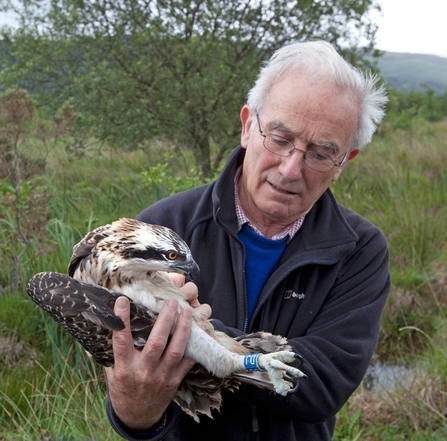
(277,253)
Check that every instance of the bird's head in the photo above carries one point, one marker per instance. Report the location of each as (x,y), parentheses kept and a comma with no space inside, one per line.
(131,246)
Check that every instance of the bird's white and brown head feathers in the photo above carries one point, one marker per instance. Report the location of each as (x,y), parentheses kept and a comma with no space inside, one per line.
(128,250)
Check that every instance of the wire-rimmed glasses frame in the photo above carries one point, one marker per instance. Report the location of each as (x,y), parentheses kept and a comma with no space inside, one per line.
(283,147)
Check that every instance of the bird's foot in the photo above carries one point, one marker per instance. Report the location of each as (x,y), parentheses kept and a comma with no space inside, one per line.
(275,363)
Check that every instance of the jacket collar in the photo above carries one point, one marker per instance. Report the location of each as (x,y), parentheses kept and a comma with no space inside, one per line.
(224,211)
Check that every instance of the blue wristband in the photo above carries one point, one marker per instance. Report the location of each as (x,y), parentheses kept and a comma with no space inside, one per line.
(251,362)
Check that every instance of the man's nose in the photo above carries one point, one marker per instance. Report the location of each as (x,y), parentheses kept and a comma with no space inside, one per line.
(291,166)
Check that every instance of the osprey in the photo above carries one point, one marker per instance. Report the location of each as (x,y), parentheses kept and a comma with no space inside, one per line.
(133,258)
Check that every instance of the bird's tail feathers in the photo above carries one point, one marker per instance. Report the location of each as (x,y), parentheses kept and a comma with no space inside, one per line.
(264,342)
(259,379)
(257,342)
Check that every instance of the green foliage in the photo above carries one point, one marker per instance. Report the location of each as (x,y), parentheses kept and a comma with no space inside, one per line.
(399,185)
(49,405)
(25,141)
(163,182)
(20,202)
(19,316)
(138,70)
(408,110)
(349,425)
(390,182)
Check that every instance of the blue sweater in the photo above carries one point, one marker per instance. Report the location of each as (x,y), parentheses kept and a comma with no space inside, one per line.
(262,256)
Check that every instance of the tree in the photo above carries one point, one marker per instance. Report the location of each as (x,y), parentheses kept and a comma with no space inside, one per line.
(178,69)
(25,142)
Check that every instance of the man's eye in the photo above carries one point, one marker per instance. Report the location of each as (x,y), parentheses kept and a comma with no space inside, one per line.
(280,141)
(318,156)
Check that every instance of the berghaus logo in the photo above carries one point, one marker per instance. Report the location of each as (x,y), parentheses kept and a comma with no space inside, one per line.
(294,295)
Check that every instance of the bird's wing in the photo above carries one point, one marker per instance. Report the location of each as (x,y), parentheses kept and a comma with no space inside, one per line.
(84,247)
(86,312)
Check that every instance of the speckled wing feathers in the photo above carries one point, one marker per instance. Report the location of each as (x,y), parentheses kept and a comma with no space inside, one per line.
(86,312)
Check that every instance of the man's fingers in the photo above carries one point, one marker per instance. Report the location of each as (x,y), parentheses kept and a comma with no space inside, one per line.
(180,336)
(122,340)
(177,345)
(122,308)
(177,279)
(202,313)
(190,293)
(161,331)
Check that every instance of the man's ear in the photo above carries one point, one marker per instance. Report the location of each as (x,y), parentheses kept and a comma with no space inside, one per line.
(352,154)
(246,121)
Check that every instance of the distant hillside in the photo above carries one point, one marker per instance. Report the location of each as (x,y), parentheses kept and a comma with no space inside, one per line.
(414,72)
(402,71)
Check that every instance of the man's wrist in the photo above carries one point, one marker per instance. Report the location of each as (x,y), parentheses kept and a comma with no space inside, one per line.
(146,433)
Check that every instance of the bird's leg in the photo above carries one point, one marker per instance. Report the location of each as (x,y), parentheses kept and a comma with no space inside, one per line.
(275,365)
(221,362)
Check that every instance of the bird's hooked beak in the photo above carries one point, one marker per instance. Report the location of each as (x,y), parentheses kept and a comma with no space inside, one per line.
(189,269)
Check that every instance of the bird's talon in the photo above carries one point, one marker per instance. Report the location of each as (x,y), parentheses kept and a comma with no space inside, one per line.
(299,358)
(295,382)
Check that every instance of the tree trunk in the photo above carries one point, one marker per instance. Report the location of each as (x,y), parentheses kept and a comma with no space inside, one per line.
(202,156)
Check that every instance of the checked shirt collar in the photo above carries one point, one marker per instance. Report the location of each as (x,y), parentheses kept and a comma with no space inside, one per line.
(242,218)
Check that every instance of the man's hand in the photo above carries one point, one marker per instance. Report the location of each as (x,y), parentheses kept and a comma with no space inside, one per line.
(142,384)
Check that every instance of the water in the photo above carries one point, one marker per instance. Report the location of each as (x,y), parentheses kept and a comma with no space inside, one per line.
(383,376)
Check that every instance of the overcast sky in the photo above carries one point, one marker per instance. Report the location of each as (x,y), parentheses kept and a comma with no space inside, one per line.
(415,26)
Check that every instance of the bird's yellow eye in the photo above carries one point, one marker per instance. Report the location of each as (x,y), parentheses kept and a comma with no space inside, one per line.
(171,255)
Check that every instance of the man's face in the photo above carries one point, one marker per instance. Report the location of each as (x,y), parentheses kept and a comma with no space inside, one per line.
(274,190)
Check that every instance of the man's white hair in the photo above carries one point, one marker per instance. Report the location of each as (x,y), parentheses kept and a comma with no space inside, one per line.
(319,62)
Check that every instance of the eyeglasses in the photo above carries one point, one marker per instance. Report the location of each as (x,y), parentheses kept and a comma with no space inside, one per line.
(280,146)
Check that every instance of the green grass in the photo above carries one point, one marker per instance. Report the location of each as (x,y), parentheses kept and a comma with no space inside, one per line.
(67,405)
(399,182)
